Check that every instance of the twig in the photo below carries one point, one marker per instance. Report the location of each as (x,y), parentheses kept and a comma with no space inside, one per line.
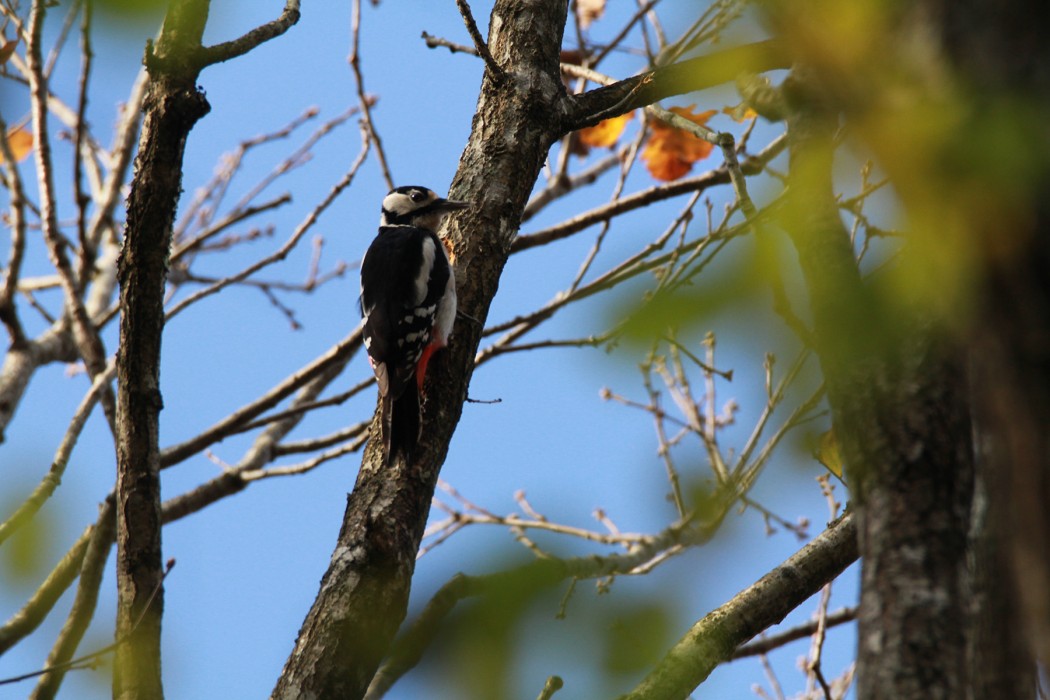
(335,357)
(498,74)
(771,676)
(552,686)
(87,247)
(434,42)
(644,198)
(765,645)
(210,55)
(282,252)
(365,102)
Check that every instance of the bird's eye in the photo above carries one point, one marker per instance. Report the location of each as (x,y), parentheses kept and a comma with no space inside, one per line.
(417,196)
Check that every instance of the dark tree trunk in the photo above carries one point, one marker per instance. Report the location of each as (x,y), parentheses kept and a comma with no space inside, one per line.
(173,105)
(1003,61)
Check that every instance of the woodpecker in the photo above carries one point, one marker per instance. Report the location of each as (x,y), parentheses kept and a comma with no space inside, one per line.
(408,301)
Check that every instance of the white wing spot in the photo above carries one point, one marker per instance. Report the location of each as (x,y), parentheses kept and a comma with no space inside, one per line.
(424,270)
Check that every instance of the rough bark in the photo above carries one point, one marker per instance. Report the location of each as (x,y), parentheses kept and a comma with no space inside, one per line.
(899,401)
(364,593)
(173,105)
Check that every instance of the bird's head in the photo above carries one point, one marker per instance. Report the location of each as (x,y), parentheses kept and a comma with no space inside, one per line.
(416,206)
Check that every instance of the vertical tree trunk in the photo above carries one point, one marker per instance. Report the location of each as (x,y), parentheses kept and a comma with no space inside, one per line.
(364,593)
(898,397)
(173,105)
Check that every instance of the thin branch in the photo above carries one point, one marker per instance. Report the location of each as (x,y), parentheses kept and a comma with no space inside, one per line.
(765,645)
(365,101)
(720,176)
(434,42)
(336,356)
(713,639)
(498,74)
(210,55)
(282,252)
(53,478)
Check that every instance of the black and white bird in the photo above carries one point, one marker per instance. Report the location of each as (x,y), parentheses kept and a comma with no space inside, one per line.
(408,300)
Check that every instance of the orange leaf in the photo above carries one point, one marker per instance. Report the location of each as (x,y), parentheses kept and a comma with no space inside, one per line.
(670,152)
(20,141)
(7,49)
(605,133)
(589,10)
(740,113)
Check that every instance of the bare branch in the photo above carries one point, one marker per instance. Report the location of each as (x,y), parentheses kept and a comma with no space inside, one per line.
(765,645)
(210,55)
(479,42)
(337,356)
(640,199)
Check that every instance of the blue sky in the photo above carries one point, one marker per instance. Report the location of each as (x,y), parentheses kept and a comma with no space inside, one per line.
(248,567)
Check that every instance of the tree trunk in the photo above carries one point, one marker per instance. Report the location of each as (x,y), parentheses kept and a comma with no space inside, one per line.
(898,397)
(173,105)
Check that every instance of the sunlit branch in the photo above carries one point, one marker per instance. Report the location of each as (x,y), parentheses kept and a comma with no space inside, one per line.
(209,55)
(84,332)
(637,200)
(713,639)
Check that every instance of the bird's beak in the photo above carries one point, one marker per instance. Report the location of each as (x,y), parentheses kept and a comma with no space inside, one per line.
(447,205)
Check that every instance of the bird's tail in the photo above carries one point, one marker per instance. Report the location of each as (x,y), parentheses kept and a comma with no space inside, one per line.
(400,423)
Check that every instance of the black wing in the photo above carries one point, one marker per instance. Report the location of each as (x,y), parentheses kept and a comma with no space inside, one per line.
(388,283)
